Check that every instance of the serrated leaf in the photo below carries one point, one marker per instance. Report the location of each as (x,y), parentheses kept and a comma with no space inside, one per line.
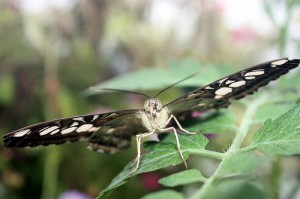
(165,153)
(280,136)
(164,194)
(240,164)
(182,178)
(162,154)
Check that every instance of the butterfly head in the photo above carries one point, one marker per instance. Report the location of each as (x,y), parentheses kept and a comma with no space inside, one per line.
(153,107)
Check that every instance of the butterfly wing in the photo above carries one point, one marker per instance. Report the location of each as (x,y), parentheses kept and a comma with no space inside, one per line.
(109,131)
(116,134)
(219,93)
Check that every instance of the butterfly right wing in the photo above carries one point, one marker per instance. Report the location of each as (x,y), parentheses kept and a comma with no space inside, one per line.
(97,129)
(235,86)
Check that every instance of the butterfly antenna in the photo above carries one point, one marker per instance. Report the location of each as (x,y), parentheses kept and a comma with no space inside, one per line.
(188,77)
(119,90)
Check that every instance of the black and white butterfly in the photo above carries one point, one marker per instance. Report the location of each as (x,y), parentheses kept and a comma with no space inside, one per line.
(112,132)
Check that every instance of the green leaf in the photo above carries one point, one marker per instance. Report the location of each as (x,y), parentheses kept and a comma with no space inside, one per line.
(271,110)
(162,154)
(280,136)
(159,78)
(234,189)
(235,166)
(240,164)
(207,124)
(182,178)
(291,81)
(165,153)
(148,79)
(236,163)
(163,195)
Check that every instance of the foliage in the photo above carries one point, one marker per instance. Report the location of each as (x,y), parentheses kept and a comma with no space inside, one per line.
(236,166)
(148,77)
(48,58)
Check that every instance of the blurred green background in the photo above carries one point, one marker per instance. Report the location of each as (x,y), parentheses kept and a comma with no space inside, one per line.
(50,53)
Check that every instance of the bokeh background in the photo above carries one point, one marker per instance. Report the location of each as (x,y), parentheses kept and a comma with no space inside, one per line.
(52,51)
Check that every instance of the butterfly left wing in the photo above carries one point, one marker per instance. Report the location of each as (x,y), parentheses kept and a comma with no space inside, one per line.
(108,132)
(219,93)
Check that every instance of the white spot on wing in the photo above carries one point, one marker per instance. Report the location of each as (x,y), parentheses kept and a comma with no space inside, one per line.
(44,129)
(68,130)
(208,87)
(95,117)
(74,124)
(278,63)
(54,132)
(112,114)
(48,130)
(237,84)
(229,81)
(222,80)
(192,95)
(21,133)
(254,73)
(218,96)
(251,77)
(93,129)
(223,91)
(79,119)
(84,127)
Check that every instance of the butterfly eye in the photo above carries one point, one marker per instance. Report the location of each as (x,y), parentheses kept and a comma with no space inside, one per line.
(147,106)
(158,105)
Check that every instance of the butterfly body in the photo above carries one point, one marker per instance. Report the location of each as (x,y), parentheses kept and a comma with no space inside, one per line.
(154,116)
(112,132)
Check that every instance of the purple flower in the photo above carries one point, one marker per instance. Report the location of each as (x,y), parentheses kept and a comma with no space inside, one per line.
(74,194)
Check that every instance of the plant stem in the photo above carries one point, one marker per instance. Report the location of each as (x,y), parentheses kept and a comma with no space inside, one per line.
(246,123)
(246,149)
(207,153)
(50,173)
(52,110)
(238,140)
(274,179)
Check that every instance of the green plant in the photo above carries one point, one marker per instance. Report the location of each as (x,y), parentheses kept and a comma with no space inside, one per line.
(237,172)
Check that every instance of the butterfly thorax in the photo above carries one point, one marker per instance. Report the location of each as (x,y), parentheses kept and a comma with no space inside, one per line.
(154,116)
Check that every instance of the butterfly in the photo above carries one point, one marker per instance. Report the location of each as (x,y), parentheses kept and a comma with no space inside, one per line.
(112,132)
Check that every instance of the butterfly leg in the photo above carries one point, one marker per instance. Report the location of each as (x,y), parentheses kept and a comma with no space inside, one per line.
(177,141)
(138,144)
(179,125)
